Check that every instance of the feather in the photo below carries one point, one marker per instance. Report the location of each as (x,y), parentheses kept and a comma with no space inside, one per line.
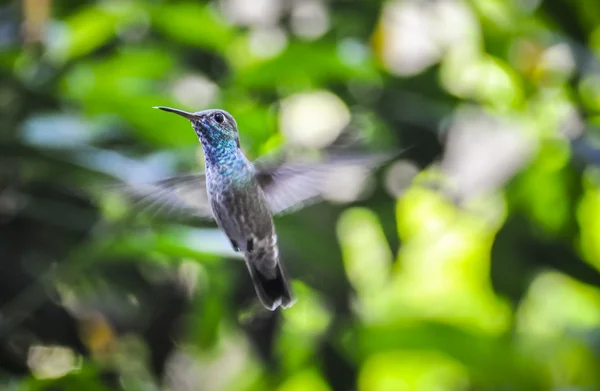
(182,196)
(287,187)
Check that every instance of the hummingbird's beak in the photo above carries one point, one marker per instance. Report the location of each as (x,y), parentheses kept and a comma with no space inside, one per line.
(185,114)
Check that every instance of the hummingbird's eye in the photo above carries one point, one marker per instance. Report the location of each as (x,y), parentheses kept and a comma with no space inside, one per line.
(219,117)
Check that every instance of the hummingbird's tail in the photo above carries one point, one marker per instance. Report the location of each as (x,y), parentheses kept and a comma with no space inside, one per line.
(272,292)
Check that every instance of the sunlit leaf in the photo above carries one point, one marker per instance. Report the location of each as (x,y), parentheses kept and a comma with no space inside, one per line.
(193,24)
(301,65)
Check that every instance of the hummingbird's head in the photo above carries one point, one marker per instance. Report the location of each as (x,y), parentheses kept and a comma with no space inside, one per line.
(214,127)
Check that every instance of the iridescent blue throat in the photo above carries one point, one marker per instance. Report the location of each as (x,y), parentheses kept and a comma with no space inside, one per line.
(221,151)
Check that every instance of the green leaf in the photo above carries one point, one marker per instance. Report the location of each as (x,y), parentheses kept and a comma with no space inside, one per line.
(193,24)
(129,84)
(301,65)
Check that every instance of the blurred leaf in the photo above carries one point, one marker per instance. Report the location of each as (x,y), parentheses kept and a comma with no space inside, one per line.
(433,318)
(412,370)
(129,84)
(84,379)
(556,304)
(88,29)
(207,318)
(304,324)
(152,246)
(300,66)
(367,257)
(543,190)
(308,379)
(193,24)
(490,362)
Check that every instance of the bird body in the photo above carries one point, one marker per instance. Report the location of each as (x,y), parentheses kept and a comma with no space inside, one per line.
(239,205)
(240,209)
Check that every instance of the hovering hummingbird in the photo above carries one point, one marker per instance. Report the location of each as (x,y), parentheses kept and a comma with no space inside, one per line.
(242,197)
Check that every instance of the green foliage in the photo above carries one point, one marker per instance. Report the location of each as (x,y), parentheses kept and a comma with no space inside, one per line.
(479,272)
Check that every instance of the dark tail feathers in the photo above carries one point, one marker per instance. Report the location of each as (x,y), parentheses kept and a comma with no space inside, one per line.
(273,292)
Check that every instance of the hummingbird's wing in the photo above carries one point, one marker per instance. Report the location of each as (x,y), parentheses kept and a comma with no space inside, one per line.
(183,195)
(288,187)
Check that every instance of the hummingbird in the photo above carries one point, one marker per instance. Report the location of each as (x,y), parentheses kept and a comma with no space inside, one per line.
(242,197)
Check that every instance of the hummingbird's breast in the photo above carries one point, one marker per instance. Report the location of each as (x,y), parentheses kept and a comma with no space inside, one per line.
(239,205)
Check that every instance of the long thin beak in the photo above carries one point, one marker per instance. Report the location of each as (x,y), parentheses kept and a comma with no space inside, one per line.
(185,114)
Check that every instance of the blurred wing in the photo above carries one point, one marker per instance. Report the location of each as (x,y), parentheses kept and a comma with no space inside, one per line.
(183,195)
(292,186)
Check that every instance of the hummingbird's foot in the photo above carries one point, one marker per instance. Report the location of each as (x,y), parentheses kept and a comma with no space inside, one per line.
(234,245)
(249,245)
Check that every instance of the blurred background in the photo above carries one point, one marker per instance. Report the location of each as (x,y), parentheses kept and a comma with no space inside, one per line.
(470,262)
